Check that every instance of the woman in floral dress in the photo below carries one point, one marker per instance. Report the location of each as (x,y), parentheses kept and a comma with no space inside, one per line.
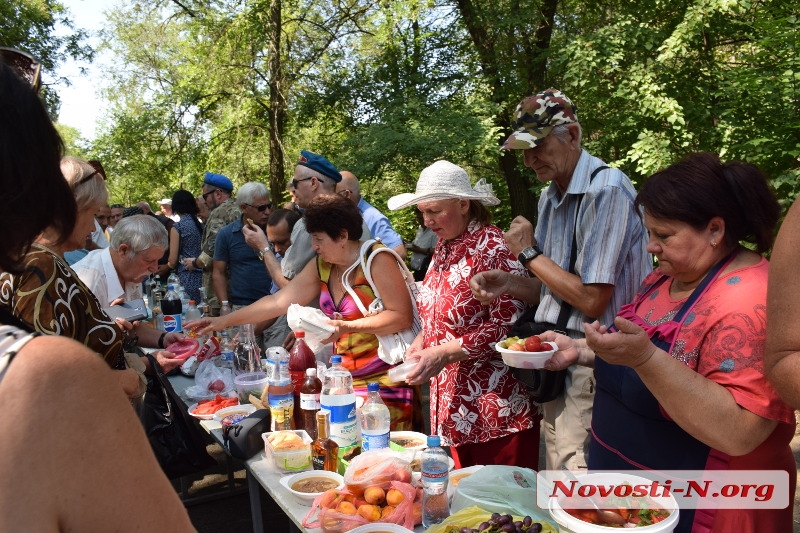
(477,407)
(184,241)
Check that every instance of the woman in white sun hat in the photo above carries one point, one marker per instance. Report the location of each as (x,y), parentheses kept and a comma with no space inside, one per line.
(477,407)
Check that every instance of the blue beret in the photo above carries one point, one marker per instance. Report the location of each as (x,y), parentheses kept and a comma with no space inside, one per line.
(320,164)
(219,181)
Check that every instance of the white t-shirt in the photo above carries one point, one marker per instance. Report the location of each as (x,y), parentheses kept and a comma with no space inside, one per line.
(97,271)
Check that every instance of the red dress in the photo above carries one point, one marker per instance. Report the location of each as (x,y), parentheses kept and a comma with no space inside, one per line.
(475,400)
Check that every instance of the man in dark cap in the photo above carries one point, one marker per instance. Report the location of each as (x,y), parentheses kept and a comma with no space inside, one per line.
(217,190)
(587,254)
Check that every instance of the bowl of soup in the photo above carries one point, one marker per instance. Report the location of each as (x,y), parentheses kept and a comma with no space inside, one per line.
(409,440)
(306,486)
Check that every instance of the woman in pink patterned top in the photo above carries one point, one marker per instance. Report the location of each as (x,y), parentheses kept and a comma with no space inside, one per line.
(477,407)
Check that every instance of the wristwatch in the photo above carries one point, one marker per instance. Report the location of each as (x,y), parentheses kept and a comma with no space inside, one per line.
(529,254)
(263,251)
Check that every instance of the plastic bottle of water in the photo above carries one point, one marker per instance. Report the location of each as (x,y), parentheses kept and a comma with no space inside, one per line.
(435,467)
(339,398)
(173,279)
(173,309)
(247,355)
(226,349)
(281,393)
(225,308)
(184,296)
(205,309)
(375,420)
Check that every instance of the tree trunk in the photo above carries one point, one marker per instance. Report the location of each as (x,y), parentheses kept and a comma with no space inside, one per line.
(277,107)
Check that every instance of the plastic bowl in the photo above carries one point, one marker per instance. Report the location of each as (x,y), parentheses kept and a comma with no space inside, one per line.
(292,459)
(380,527)
(244,409)
(409,440)
(526,359)
(569,524)
(251,383)
(307,498)
(397,374)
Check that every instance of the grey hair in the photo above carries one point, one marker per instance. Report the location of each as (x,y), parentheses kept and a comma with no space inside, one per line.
(562,132)
(248,192)
(140,232)
(88,193)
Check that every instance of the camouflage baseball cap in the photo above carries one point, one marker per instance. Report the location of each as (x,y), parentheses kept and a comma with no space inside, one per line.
(537,115)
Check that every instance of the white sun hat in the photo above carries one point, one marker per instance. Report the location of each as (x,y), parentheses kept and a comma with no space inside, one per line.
(165,201)
(442,181)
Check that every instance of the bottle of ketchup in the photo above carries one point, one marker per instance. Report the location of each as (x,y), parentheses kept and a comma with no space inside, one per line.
(300,358)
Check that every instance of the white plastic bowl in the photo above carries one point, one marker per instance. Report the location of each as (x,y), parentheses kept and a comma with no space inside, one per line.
(246,409)
(525,359)
(569,524)
(420,439)
(380,526)
(307,498)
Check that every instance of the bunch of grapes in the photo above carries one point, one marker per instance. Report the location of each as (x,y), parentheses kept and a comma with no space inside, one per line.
(505,524)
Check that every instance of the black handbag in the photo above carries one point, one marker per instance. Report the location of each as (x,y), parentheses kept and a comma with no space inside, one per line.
(243,439)
(179,445)
(547,385)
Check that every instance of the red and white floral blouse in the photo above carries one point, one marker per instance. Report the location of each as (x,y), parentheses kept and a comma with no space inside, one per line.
(477,399)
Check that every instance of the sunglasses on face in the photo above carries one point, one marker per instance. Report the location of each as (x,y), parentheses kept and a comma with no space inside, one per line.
(98,170)
(25,65)
(261,208)
(205,195)
(295,182)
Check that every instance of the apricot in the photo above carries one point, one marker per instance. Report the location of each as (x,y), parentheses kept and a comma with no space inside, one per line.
(416,512)
(387,511)
(395,497)
(346,507)
(370,512)
(330,499)
(358,502)
(374,495)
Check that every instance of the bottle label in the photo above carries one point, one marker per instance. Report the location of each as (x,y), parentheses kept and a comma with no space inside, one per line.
(310,402)
(435,474)
(172,323)
(318,462)
(281,407)
(344,426)
(374,442)
(227,356)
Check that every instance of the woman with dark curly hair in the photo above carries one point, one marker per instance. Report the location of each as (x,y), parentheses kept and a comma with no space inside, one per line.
(335,224)
(184,241)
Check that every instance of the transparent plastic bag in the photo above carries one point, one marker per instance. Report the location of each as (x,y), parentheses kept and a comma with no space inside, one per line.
(378,468)
(311,320)
(211,379)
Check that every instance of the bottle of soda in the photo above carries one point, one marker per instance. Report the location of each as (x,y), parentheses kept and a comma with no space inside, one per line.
(339,398)
(375,420)
(301,358)
(324,451)
(435,467)
(172,308)
(281,395)
(309,403)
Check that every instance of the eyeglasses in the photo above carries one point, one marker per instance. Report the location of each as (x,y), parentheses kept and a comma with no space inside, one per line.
(261,208)
(295,182)
(205,194)
(98,170)
(25,65)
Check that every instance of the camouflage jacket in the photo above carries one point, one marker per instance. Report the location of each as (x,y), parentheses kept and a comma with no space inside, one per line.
(224,214)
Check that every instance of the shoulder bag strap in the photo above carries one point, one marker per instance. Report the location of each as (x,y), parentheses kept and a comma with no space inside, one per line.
(365,249)
(566,309)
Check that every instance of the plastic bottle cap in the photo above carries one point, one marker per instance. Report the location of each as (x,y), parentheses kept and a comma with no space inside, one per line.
(299,334)
(373,386)
(169,287)
(311,371)
(336,359)
(192,302)
(434,440)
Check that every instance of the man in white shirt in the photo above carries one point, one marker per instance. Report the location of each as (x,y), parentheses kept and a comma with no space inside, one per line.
(115,274)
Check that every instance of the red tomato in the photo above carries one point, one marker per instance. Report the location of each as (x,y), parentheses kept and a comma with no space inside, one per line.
(532,343)
(545,347)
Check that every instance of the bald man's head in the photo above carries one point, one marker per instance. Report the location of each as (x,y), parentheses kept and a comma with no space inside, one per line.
(349,186)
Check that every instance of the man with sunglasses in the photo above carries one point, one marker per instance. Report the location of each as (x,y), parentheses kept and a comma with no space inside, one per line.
(217,190)
(239,274)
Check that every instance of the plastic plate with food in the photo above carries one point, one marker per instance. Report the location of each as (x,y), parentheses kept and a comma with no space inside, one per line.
(193,408)
(206,409)
(183,349)
(525,352)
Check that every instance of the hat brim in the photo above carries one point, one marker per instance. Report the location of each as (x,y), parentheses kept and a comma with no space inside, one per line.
(408,199)
(525,138)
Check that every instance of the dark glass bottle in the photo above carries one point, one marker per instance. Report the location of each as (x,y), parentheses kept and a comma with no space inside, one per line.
(324,450)
(309,402)
(301,358)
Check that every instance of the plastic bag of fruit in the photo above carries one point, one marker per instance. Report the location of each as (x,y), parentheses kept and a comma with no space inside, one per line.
(479,520)
(500,489)
(340,510)
(377,467)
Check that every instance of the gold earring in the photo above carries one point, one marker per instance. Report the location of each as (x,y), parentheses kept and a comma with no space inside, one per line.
(713,244)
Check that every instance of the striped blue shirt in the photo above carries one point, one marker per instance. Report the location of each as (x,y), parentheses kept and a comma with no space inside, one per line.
(611,239)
